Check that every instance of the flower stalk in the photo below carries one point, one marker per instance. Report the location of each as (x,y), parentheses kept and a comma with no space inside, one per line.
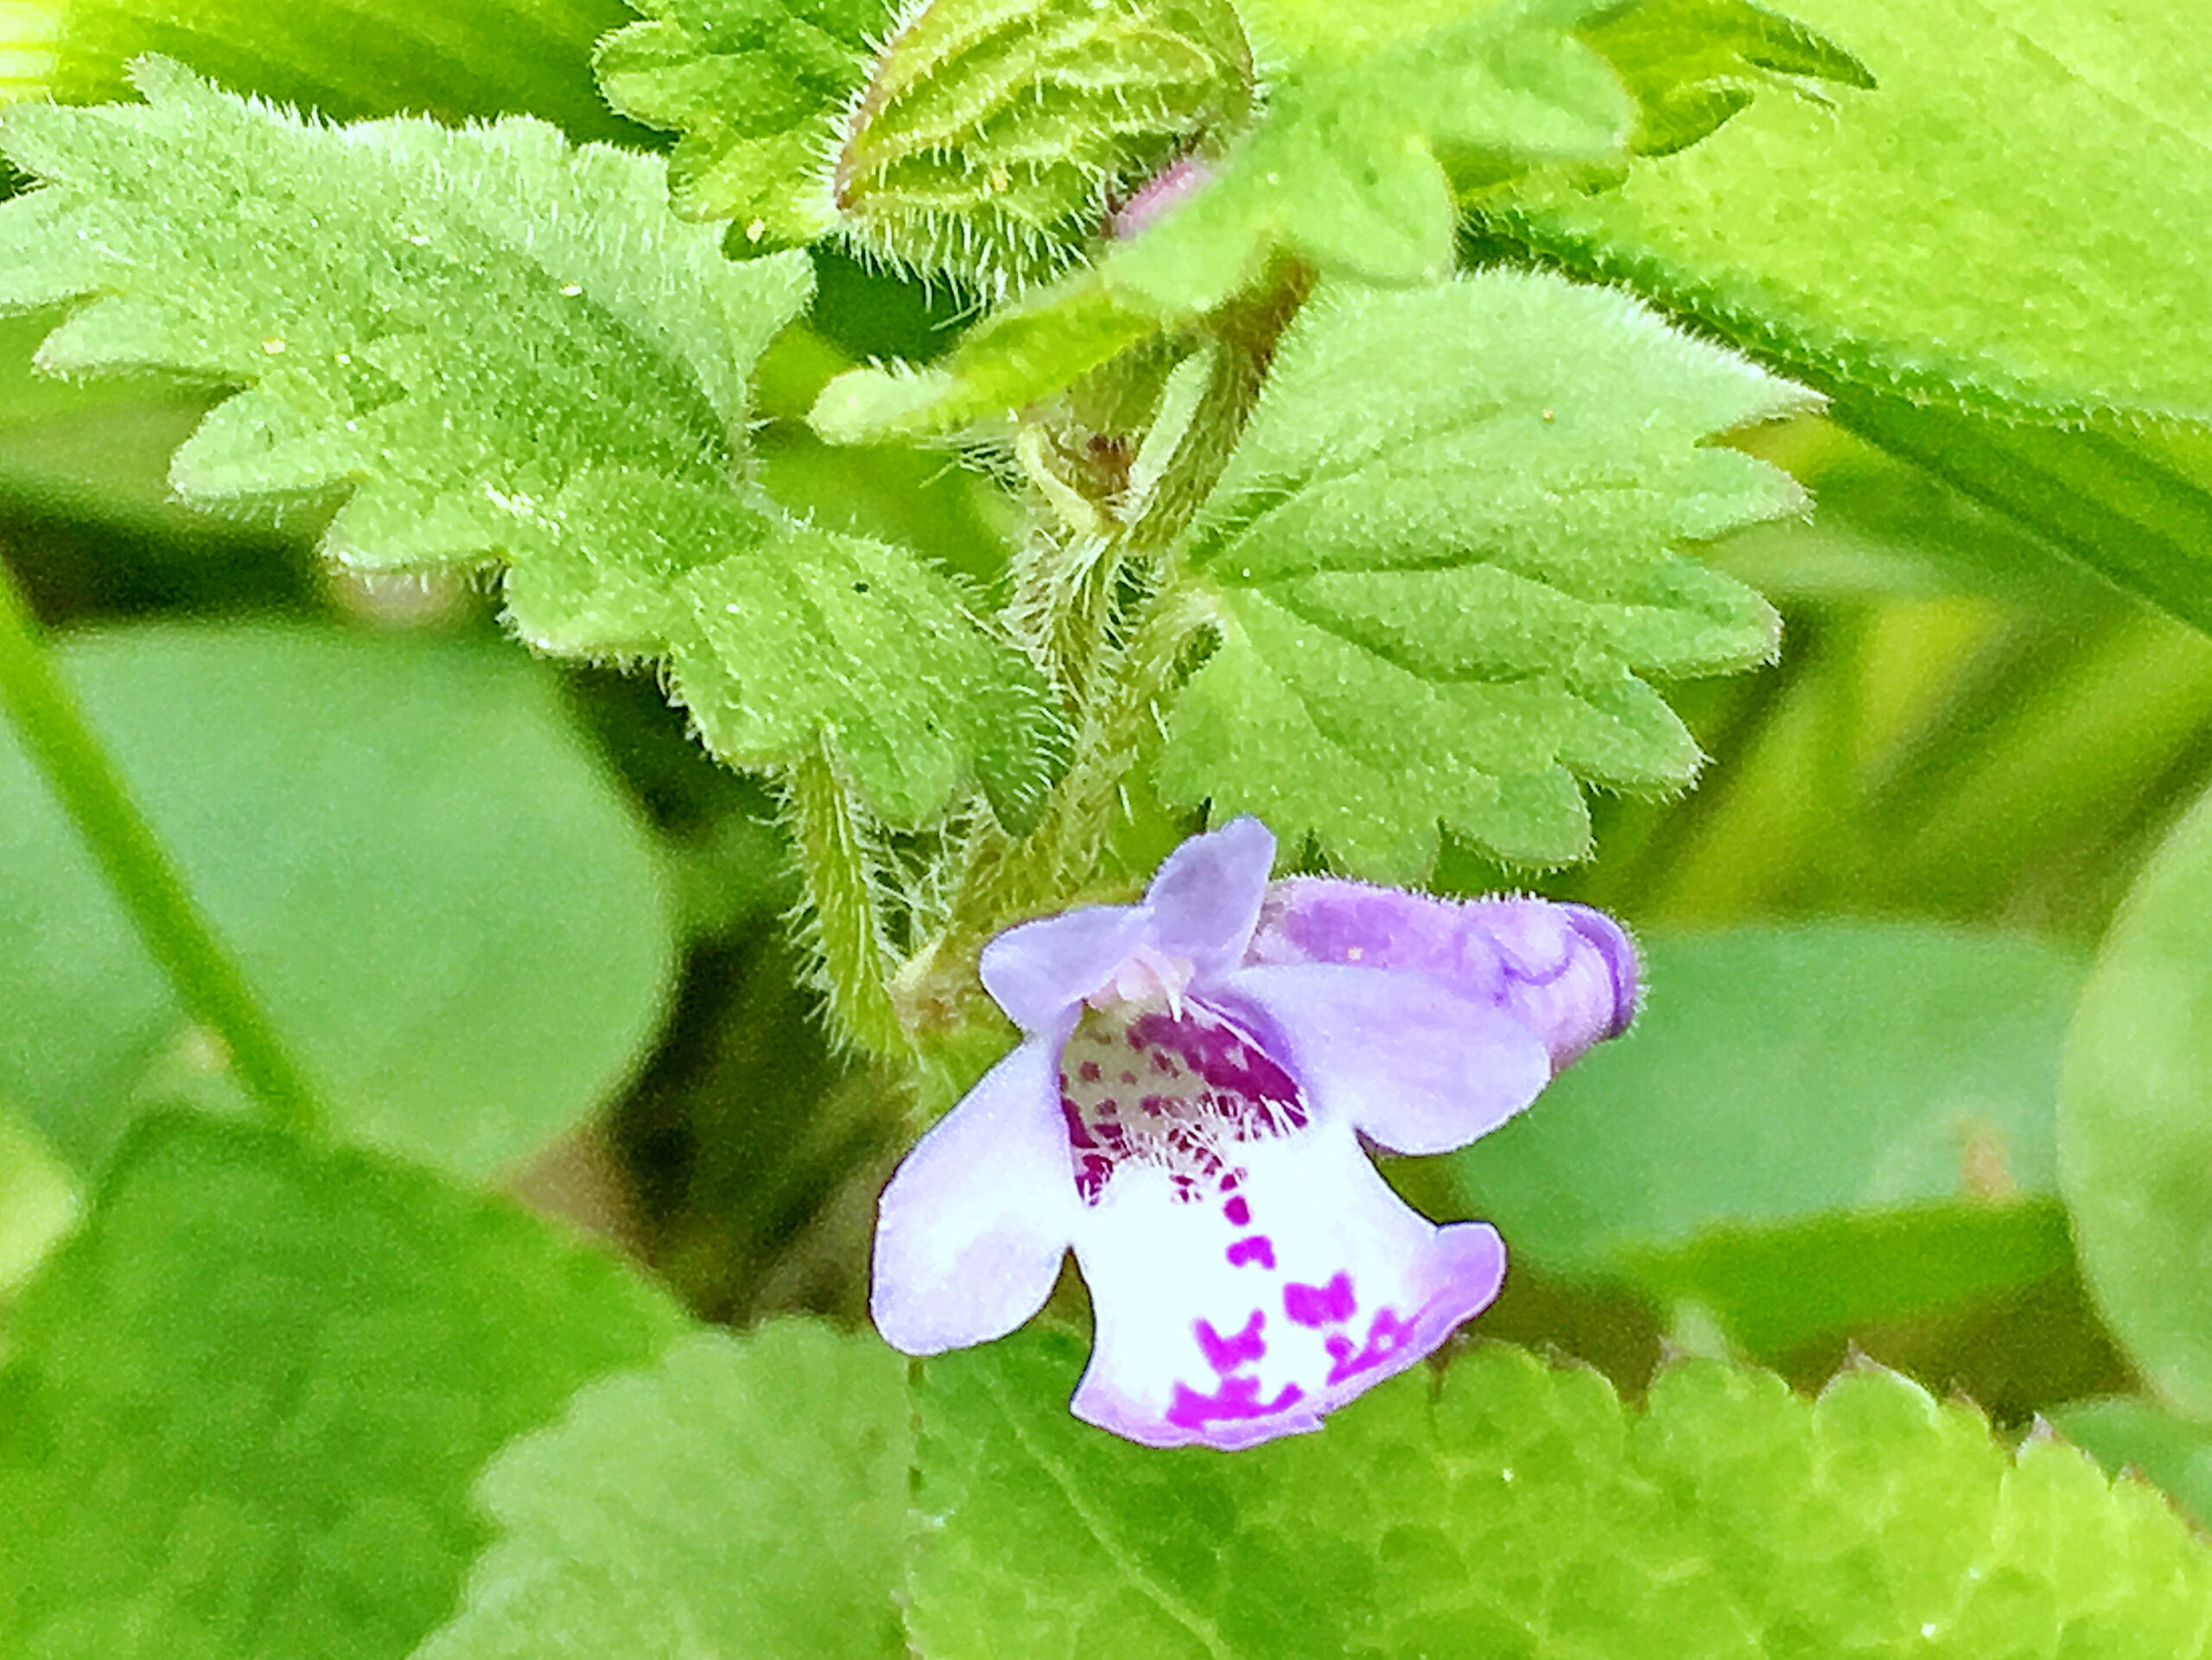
(177,934)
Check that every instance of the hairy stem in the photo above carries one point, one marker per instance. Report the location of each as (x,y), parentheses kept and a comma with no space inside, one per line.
(1123,697)
(206,979)
(842,870)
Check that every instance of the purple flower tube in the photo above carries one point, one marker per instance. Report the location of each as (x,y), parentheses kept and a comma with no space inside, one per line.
(1185,1111)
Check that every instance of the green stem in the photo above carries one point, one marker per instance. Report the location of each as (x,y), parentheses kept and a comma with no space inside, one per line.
(1003,879)
(842,870)
(207,977)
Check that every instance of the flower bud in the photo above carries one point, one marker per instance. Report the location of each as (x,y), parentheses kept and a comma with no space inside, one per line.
(995,137)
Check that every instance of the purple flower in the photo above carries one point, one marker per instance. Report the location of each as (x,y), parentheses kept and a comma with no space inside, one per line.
(1186,1110)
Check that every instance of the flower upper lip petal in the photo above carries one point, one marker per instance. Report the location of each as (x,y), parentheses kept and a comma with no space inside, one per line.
(1200,909)
(1205,900)
(1037,972)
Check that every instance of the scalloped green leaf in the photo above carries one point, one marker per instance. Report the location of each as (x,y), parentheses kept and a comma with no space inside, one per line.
(347,58)
(1511,1509)
(2135,1141)
(244,1407)
(745,1499)
(506,350)
(1444,553)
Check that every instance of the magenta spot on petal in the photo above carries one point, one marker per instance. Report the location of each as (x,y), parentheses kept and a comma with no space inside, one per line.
(1088,1071)
(1129,1078)
(1226,1354)
(1257,1248)
(1238,1211)
(1238,1398)
(1320,1305)
(1386,1335)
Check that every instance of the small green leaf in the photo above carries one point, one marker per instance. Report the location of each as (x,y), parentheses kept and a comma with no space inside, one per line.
(2135,1141)
(755,87)
(244,1407)
(1809,1128)
(1019,354)
(1521,1511)
(507,350)
(347,58)
(743,1498)
(452,918)
(1693,63)
(1443,554)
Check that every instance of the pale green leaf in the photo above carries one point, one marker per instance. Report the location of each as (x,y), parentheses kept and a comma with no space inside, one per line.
(1810,1128)
(507,349)
(244,1407)
(2135,1141)
(452,915)
(1443,555)
(2126,1433)
(347,58)
(745,1497)
(1521,1511)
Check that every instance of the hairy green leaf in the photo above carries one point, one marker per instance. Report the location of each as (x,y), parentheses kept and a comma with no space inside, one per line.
(745,1498)
(347,58)
(993,135)
(2135,1141)
(507,349)
(755,87)
(1444,552)
(1811,1128)
(1521,1511)
(2125,1433)
(243,1408)
(454,919)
